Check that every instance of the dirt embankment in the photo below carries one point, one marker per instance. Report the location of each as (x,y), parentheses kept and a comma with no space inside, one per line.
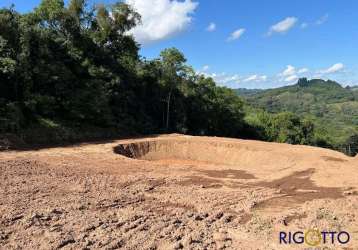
(174,192)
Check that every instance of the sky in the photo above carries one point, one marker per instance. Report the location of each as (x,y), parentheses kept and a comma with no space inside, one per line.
(250,43)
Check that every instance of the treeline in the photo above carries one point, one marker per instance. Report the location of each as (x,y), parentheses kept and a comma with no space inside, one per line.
(65,70)
(287,127)
(332,109)
(73,72)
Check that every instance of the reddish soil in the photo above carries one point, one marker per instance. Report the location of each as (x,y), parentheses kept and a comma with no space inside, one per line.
(174,192)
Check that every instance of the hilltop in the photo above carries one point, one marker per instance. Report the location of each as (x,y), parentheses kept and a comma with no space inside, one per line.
(333,108)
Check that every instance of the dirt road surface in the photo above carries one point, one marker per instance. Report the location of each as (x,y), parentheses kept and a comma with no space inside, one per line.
(175,192)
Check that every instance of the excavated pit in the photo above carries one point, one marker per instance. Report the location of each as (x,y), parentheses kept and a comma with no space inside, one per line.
(222,153)
(166,197)
(238,160)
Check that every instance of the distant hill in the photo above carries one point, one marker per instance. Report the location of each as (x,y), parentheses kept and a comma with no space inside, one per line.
(247,92)
(333,108)
(354,88)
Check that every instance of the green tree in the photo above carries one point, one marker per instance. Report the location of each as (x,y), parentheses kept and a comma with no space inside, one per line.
(351,146)
(65,68)
(172,71)
(50,12)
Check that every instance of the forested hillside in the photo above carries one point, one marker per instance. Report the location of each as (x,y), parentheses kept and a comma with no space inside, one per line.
(247,92)
(73,72)
(332,108)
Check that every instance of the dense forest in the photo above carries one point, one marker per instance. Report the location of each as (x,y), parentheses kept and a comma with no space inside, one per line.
(73,72)
(332,108)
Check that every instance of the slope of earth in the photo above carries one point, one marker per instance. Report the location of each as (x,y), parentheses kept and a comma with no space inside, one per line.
(174,192)
(334,108)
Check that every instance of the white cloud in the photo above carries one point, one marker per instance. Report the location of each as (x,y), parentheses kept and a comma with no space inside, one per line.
(333,69)
(250,78)
(318,22)
(291,78)
(291,74)
(322,20)
(205,68)
(255,78)
(161,19)
(283,26)
(236,34)
(303,70)
(290,70)
(211,27)
(224,78)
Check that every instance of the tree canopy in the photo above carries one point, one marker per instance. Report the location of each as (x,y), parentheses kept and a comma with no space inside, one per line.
(69,72)
(65,67)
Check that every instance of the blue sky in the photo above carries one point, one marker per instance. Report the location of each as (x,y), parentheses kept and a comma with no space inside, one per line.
(251,44)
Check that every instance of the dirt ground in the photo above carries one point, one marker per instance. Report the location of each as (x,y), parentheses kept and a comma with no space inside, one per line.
(175,192)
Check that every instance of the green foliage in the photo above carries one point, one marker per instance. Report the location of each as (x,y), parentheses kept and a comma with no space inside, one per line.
(76,7)
(332,108)
(247,92)
(172,71)
(70,72)
(289,128)
(214,110)
(50,10)
(284,127)
(351,145)
(7,64)
(67,69)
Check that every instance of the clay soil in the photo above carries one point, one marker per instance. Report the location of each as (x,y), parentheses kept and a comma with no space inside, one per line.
(174,192)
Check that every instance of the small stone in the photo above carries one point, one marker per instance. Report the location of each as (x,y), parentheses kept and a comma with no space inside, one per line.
(187,241)
(350,192)
(89,243)
(89,228)
(66,241)
(56,211)
(190,215)
(56,228)
(219,236)
(178,237)
(178,245)
(229,219)
(177,221)
(115,245)
(253,204)
(4,236)
(219,215)
(220,245)
(198,217)
(82,207)
(222,230)
(149,188)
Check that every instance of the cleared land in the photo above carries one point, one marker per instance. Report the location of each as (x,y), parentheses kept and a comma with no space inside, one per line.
(173,192)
